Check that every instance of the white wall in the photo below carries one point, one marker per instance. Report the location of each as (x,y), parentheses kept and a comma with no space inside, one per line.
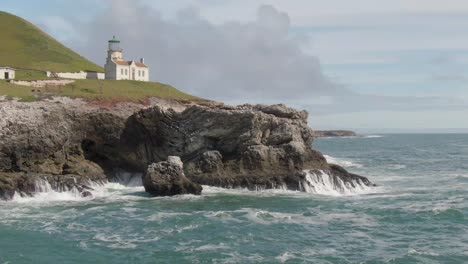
(141,73)
(69,75)
(78,75)
(124,72)
(43,83)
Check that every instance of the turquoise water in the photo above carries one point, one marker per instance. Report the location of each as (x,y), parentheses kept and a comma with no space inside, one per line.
(418,214)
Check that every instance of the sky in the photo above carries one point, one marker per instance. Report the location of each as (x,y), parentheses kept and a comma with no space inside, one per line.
(368,65)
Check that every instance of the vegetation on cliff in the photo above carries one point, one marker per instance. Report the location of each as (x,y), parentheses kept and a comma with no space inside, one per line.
(96,90)
(26,46)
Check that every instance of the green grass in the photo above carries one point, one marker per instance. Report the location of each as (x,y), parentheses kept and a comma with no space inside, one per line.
(109,90)
(30,76)
(16,91)
(23,45)
(97,90)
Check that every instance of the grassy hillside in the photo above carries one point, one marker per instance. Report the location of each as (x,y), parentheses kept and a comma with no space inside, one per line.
(97,90)
(24,45)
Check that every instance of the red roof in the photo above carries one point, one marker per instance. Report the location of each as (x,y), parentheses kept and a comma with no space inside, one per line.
(139,64)
(127,63)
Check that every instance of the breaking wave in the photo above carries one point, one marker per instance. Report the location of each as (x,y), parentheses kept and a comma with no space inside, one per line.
(109,191)
(129,187)
(45,193)
(325,184)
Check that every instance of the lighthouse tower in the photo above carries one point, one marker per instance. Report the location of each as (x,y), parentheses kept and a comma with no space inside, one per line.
(114,52)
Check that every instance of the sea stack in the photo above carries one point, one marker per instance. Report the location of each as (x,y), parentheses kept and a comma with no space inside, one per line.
(167,178)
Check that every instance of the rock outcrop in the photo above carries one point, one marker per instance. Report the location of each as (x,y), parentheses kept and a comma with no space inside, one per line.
(167,178)
(46,141)
(245,146)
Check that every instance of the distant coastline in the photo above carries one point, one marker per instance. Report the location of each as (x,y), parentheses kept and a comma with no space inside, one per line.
(335,133)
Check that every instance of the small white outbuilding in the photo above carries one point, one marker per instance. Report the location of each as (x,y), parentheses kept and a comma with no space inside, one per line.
(7,73)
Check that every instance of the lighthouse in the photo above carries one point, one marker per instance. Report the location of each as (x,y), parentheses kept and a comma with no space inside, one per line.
(119,69)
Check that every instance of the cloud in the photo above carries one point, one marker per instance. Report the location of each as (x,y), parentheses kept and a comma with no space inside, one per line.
(359,103)
(257,61)
(449,78)
(58,26)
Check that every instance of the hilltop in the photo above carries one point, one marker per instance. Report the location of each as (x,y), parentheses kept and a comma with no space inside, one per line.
(25,46)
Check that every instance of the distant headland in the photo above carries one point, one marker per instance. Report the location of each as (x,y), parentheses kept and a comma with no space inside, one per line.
(335,133)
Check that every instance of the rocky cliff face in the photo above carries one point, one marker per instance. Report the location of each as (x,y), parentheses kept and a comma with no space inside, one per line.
(41,141)
(245,146)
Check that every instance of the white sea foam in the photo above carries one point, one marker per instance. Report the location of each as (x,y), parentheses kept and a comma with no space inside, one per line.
(342,162)
(46,194)
(211,247)
(412,251)
(355,137)
(312,217)
(267,217)
(373,136)
(325,184)
(223,216)
(315,183)
(164,215)
(116,240)
(281,190)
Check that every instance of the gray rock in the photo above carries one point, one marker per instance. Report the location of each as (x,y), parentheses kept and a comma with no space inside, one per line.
(167,178)
(245,146)
(67,146)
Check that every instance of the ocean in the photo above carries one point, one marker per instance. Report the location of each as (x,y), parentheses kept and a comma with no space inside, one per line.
(418,213)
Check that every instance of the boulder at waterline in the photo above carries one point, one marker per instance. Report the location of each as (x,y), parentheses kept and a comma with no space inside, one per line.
(167,178)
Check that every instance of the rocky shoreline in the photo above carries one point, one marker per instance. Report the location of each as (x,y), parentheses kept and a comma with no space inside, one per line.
(71,144)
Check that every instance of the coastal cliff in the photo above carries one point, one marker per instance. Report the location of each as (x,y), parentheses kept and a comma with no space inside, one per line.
(72,144)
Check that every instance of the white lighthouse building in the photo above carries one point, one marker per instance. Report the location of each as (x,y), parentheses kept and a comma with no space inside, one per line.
(119,69)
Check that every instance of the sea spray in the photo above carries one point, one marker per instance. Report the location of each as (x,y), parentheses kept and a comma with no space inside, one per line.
(43,192)
(129,179)
(321,182)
